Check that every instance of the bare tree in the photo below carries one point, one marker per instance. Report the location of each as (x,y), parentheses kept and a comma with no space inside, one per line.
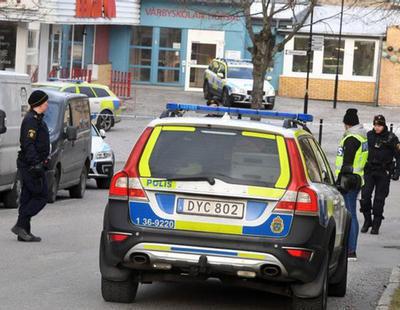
(13,10)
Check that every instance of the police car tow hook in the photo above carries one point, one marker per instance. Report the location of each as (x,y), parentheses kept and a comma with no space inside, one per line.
(140,258)
(270,270)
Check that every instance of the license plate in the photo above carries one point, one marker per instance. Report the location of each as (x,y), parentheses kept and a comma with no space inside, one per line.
(211,208)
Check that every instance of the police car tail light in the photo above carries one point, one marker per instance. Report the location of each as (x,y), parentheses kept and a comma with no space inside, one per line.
(126,184)
(288,202)
(307,201)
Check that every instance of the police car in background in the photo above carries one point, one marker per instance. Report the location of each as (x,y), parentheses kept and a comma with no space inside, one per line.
(251,203)
(105,106)
(232,82)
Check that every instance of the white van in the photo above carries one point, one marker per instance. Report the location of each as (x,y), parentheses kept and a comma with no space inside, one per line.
(14,89)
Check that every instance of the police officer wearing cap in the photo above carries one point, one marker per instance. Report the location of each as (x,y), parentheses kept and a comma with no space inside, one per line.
(383,164)
(31,162)
(350,162)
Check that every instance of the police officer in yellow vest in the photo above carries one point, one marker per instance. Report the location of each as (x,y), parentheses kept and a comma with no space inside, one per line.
(351,158)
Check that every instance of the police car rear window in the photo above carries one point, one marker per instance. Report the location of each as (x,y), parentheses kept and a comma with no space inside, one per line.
(232,156)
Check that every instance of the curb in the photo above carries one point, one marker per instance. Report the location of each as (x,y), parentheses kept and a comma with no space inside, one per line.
(394,283)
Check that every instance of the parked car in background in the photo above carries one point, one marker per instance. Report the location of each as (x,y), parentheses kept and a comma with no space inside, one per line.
(68,119)
(14,91)
(251,203)
(105,106)
(232,82)
(103,159)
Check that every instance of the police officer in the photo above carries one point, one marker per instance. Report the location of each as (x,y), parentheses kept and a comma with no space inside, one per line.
(350,161)
(32,158)
(383,148)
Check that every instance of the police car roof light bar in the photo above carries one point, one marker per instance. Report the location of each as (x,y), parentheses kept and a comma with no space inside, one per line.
(175,107)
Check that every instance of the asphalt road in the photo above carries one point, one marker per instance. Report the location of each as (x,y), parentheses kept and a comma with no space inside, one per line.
(62,271)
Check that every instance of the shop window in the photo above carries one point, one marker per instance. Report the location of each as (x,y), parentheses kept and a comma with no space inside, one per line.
(203,54)
(140,74)
(330,56)
(142,36)
(168,76)
(169,59)
(140,57)
(170,38)
(364,55)
(8,39)
(300,62)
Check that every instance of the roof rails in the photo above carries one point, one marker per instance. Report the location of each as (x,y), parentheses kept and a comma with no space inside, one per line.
(291,119)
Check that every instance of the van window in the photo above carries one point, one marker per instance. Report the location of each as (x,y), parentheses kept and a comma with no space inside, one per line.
(235,157)
(87,91)
(100,92)
(51,117)
(80,114)
(311,161)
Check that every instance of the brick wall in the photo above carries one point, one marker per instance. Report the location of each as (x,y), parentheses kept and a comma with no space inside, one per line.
(389,86)
(323,89)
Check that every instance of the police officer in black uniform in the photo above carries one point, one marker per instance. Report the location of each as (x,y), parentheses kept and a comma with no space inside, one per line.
(31,163)
(384,148)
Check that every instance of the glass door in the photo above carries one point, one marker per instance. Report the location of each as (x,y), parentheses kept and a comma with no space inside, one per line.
(203,47)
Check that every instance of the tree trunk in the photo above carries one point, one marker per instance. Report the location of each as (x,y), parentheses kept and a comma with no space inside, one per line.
(262,58)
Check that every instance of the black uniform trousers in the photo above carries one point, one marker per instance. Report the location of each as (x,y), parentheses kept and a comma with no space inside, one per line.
(33,197)
(380,181)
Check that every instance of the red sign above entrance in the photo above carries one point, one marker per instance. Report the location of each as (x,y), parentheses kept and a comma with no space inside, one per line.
(95,8)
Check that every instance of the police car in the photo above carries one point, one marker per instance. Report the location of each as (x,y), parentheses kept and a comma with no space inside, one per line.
(251,203)
(102,159)
(232,82)
(105,106)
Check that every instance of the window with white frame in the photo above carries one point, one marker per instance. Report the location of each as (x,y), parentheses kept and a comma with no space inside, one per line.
(363,63)
(358,58)
(330,56)
(300,62)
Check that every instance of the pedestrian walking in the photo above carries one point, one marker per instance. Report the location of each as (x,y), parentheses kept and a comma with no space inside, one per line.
(350,161)
(383,165)
(31,161)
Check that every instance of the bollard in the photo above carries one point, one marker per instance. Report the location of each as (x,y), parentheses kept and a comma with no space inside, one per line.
(321,121)
(391,127)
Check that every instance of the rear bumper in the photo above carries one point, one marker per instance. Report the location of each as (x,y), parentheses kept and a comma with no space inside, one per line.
(210,254)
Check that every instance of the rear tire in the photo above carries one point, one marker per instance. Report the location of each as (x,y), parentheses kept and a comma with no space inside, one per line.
(339,288)
(119,291)
(78,191)
(226,99)
(103,183)
(317,303)
(11,198)
(206,90)
(54,187)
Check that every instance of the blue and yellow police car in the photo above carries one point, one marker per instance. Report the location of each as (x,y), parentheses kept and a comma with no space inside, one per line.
(252,203)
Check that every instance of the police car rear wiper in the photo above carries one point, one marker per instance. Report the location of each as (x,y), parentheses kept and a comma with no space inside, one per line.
(209,179)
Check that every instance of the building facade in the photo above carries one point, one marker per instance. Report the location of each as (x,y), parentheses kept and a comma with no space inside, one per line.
(19,36)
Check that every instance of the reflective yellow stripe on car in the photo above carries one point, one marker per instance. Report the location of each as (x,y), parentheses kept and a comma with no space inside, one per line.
(144,168)
(284,178)
(265,192)
(209,227)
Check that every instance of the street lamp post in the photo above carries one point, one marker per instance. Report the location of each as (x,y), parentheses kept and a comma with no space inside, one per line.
(309,60)
(338,58)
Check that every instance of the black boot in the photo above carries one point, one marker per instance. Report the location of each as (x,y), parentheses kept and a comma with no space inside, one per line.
(367,222)
(376,223)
